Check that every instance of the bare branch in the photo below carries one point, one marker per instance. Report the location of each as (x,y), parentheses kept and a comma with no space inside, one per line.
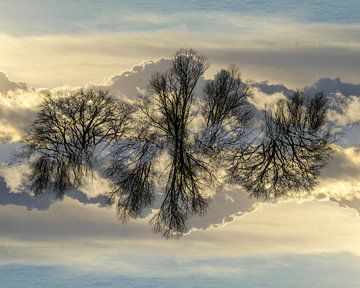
(226,112)
(62,140)
(296,145)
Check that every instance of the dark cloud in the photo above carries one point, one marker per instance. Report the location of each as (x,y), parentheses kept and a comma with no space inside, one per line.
(334,85)
(295,66)
(44,201)
(269,88)
(24,199)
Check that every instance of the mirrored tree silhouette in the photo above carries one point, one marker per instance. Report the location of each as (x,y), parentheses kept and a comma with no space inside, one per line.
(295,145)
(62,140)
(226,112)
(165,116)
(187,135)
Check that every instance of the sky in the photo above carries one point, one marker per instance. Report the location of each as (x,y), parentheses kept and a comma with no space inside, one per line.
(311,240)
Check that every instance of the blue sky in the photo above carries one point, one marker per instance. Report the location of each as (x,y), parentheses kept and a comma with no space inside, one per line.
(50,46)
(315,271)
(39,17)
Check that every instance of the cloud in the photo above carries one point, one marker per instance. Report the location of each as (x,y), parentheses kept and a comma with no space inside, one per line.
(344,98)
(14,176)
(231,201)
(333,86)
(340,179)
(289,226)
(271,88)
(17,110)
(22,197)
(345,110)
(265,48)
(131,83)
(7,85)
(18,107)
(294,66)
(225,206)
(337,183)
(352,203)
(15,191)
(261,99)
(311,227)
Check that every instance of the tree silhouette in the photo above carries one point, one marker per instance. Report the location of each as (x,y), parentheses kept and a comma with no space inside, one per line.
(226,112)
(165,117)
(195,134)
(132,173)
(296,144)
(62,140)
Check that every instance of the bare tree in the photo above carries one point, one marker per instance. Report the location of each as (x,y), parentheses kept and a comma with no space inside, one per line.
(226,112)
(62,140)
(132,173)
(166,115)
(296,144)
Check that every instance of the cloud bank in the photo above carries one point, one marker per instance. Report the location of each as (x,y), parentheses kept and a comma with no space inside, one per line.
(338,182)
(270,48)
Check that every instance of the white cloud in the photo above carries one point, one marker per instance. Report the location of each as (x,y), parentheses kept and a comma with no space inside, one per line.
(260,99)
(348,112)
(341,177)
(7,85)
(130,84)
(14,176)
(95,185)
(17,111)
(344,99)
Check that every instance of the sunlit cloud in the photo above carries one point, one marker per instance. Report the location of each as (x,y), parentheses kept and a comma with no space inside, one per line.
(265,48)
(338,182)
